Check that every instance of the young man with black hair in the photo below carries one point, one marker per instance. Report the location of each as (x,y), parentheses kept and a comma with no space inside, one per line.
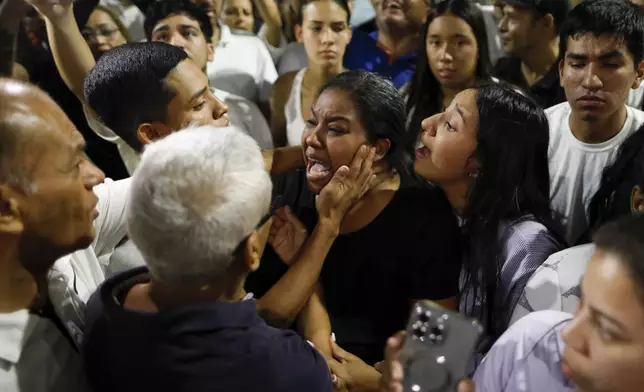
(602,47)
(528,31)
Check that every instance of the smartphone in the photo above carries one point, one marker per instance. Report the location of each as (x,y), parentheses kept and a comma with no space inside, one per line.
(438,348)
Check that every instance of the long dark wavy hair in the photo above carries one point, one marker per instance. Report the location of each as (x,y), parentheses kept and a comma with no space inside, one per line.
(613,199)
(512,185)
(425,97)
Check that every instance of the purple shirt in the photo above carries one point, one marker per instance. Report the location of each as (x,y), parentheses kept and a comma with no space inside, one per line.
(527,357)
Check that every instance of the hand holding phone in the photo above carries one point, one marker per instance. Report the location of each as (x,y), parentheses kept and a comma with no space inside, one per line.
(438,348)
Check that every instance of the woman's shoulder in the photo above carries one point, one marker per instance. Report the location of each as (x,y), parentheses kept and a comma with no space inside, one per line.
(423,202)
(532,235)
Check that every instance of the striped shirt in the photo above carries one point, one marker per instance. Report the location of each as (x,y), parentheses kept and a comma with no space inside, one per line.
(527,357)
(527,244)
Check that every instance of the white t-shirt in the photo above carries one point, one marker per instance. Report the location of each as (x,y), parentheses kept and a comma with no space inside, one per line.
(576,168)
(555,284)
(242,66)
(241,112)
(276,52)
(34,355)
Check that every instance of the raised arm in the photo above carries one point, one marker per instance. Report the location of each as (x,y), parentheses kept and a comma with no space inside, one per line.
(73,57)
(270,14)
(282,303)
(11,13)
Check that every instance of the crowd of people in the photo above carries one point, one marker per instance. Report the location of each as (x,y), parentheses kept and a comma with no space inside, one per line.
(250,195)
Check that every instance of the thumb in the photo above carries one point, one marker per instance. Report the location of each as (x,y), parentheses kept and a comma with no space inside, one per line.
(338,352)
(341,173)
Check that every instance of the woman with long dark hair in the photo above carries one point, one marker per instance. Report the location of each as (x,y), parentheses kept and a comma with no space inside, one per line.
(488,152)
(456,57)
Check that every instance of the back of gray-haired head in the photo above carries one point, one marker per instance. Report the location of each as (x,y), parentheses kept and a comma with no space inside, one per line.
(195,197)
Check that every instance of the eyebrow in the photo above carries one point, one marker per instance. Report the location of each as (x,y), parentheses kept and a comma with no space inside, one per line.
(338,118)
(163,27)
(198,94)
(606,56)
(460,111)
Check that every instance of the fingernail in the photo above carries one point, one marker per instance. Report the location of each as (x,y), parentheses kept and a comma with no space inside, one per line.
(334,378)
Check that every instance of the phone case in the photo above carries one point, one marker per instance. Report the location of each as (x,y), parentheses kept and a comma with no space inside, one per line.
(438,348)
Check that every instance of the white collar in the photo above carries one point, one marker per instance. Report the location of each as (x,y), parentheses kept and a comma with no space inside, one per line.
(225,35)
(15,328)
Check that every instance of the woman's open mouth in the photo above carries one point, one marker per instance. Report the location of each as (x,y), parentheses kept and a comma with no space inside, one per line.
(317,170)
(422,153)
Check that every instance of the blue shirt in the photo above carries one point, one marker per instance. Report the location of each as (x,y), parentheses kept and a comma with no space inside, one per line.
(222,346)
(527,357)
(363,52)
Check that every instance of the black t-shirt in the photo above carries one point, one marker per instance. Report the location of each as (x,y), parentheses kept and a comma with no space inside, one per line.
(546,91)
(410,251)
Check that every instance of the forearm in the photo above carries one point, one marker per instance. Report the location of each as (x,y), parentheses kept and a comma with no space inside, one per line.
(282,303)
(314,324)
(270,14)
(11,13)
(281,160)
(73,57)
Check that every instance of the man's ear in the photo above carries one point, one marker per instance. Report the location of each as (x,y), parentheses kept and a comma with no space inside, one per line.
(253,251)
(211,52)
(640,76)
(637,199)
(298,33)
(10,218)
(150,132)
(561,68)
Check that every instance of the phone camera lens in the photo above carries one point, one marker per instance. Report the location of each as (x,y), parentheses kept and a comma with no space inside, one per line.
(425,316)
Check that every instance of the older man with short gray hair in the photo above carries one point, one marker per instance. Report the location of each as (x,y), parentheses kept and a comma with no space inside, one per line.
(199,213)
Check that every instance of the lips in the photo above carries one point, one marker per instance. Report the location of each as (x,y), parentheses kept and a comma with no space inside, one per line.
(591,98)
(446,73)
(394,4)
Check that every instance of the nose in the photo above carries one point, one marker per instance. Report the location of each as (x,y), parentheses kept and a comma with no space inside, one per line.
(503,24)
(311,137)
(92,175)
(219,112)
(100,39)
(327,36)
(445,54)
(428,125)
(591,80)
(574,335)
(177,40)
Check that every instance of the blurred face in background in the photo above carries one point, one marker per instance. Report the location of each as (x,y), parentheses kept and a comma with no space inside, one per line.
(102,33)
(325,32)
(184,32)
(519,28)
(452,51)
(238,14)
(402,14)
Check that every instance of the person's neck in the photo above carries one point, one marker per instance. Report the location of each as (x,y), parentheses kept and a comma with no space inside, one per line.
(594,132)
(216,34)
(18,288)
(456,193)
(450,92)
(398,42)
(163,296)
(317,75)
(538,61)
(365,210)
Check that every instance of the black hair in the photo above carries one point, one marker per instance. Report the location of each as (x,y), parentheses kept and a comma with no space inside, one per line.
(163,9)
(425,94)
(613,199)
(512,185)
(127,87)
(624,239)
(344,4)
(381,110)
(618,18)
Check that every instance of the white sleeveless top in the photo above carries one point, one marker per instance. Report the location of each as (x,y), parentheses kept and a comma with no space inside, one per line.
(293,112)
